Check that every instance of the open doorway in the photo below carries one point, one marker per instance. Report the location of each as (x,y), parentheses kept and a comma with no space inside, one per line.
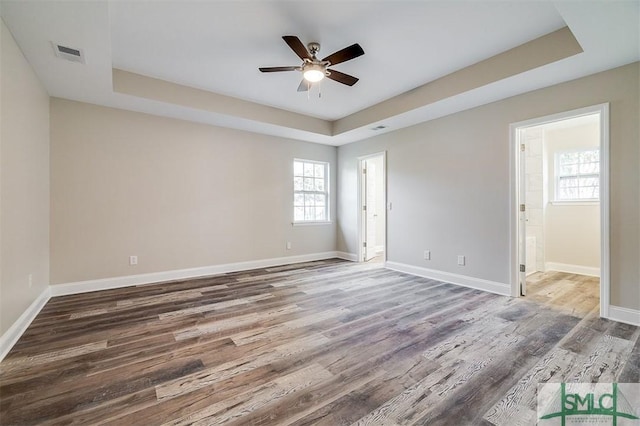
(372,207)
(561,207)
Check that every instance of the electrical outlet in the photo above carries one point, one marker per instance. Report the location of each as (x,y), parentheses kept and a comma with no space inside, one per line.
(461,260)
(133,260)
(288,245)
(427,255)
(30,280)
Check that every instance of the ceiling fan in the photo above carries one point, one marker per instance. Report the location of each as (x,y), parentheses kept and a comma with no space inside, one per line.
(313,69)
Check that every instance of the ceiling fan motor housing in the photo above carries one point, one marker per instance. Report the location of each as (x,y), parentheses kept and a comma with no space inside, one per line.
(314,47)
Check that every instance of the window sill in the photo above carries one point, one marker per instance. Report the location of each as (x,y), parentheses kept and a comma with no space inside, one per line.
(575,203)
(311,223)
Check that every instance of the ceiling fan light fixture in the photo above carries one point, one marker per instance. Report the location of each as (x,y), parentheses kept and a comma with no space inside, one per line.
(313,69)
(313,73)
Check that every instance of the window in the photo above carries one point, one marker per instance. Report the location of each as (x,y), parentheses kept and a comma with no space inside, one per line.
(578,175)
(310,191)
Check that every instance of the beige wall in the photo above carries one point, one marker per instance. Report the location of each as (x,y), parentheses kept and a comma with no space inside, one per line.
(448,180)
(174,193)
(24,183)
(572,230)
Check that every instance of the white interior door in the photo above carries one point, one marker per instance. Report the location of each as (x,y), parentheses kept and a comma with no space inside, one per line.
(372,200)
(522,217)
(370,211)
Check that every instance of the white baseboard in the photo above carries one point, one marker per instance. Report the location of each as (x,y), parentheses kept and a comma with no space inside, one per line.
(11,336)
(463,280)
(626,315)
(179,274)
(572,269)
(347,256)
(379,249)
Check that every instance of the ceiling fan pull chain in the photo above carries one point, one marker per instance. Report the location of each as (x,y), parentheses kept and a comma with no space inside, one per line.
(320,89)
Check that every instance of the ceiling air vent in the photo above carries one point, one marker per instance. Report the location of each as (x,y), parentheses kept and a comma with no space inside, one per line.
(380,127)
(68,53)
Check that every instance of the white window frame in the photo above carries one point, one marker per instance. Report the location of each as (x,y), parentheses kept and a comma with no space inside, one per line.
(326,193)
(558,176)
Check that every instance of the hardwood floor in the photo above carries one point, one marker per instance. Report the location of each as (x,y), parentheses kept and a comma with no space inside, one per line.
(326,343)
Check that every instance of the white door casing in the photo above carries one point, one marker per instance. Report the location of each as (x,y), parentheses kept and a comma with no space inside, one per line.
(518,235)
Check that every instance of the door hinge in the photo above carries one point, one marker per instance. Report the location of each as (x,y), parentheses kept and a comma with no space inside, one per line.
(522,207)
(364,208)
(522,147)
(364,171)
(364,244)
(522,268)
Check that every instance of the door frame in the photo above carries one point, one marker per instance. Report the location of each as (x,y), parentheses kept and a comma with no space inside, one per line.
(361,236)
(514,171)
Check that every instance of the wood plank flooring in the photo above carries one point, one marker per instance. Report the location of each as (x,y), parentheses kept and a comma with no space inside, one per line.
(323,343)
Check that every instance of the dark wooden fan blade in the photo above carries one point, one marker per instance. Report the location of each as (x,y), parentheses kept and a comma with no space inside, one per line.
(304,86)
(345,54)
(343,78)
(296,45)
(277,69)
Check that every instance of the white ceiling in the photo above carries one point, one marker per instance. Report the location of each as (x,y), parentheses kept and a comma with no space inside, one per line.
(218,46)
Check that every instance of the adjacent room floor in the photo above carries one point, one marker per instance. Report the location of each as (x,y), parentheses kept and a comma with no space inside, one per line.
(328,342)
(571,293)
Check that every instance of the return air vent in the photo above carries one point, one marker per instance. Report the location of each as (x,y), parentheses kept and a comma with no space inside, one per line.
(68,53)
